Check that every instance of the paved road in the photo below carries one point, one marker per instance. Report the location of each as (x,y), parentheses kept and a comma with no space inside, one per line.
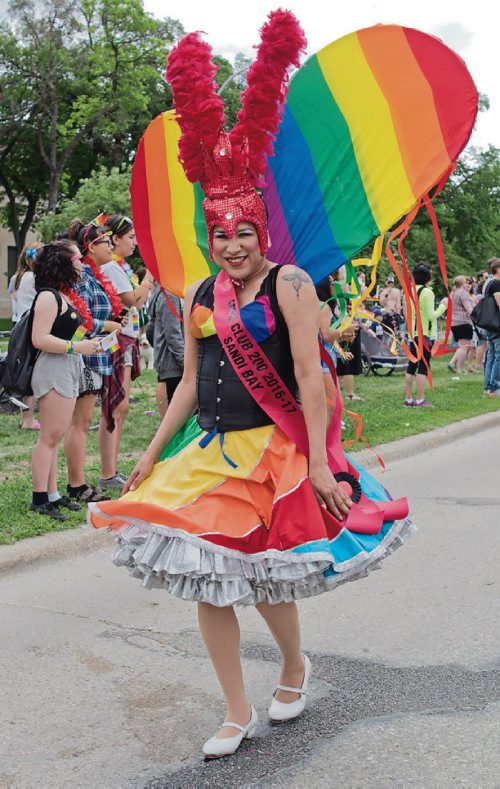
(106,685)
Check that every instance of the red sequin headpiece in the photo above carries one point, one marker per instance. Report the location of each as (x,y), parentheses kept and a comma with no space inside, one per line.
(229,166)
(230,195)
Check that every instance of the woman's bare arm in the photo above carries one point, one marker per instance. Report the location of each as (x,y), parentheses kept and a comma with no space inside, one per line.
(45,313)
(137,297)
(301,310)
(325,320)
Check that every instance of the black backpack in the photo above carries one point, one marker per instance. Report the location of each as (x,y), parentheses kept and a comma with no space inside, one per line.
(21,355)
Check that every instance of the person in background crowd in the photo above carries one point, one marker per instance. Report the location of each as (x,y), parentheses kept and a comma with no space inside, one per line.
(58,313)
(124,245)
(461,322)
(329,337)
(24,284)
(481,279)
(168,343)
(350,366)
(390,299)
(126,364)
(480,336)
(105,308)
(417,372)
(11,288)
(24,292)
(324,292)
(350,343)
(362,281)
(472,367)
(492,364)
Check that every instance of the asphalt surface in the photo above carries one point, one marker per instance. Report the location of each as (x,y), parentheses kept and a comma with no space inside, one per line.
(106,685)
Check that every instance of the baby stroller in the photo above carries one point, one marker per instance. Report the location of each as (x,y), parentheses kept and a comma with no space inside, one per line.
(381,352)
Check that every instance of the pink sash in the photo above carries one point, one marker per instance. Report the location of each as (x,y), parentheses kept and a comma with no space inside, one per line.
(259,377)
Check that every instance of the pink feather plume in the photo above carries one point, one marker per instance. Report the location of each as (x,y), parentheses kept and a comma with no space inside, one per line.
(200,111)
(282,41)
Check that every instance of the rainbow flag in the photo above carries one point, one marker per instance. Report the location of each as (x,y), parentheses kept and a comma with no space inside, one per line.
(134,315)
(109,342)
(166,208)
(371,123)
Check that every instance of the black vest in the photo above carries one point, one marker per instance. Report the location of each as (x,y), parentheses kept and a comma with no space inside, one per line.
(222,399)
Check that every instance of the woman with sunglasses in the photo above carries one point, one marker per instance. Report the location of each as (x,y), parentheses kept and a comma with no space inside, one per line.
(58,313)
(105,308)
(126,364)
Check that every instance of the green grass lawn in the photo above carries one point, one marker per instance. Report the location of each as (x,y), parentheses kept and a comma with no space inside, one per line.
(15,469)
(383,415)
(382,410)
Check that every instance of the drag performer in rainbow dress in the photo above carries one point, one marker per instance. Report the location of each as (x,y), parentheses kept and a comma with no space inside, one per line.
(252,501)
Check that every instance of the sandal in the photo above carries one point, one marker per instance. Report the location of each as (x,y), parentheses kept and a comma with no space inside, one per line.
(354,397)
(88,495)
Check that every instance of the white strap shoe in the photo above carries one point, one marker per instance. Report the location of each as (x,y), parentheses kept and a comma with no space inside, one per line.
(217,746)
(280,711)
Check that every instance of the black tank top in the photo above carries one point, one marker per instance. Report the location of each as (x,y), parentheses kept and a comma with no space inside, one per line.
(66,323)
(222,399)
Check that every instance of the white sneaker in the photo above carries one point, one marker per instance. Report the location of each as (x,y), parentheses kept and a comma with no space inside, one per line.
(280,711)
(217,746)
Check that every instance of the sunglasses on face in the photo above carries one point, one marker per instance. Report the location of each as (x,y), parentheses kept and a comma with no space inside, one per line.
(76,257)
(85,240)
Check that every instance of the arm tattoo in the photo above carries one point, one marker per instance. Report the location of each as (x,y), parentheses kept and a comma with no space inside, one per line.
(298,277)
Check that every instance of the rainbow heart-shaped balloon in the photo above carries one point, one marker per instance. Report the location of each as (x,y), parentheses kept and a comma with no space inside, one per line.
(371,123)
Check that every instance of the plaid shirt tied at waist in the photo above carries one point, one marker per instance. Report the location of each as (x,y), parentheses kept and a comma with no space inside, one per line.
(113,391)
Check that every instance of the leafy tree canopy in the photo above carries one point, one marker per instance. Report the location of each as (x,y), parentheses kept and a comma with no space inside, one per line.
(102,191)
(79,82)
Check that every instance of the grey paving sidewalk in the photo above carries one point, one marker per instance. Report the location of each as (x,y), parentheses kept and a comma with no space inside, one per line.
(57,545)
(108,685)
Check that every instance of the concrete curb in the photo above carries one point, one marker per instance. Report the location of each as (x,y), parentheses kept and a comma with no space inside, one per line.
(423,442)
(74,542)
(51,547)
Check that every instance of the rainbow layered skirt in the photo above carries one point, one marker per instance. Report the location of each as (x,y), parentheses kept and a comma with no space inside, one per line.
(236,522)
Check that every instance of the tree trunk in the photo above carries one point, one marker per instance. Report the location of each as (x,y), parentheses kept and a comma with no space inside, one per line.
(19,226)
(14,224)
(27,221)
(53,197)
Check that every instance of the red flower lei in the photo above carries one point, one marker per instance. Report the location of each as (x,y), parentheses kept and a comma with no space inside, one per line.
(80,305)
(116,302)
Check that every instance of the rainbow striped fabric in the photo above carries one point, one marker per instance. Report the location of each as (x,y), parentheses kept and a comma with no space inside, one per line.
(175,531)
(168,218)
(371,123)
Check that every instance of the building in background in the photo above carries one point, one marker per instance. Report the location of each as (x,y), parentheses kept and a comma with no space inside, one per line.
(8,261)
